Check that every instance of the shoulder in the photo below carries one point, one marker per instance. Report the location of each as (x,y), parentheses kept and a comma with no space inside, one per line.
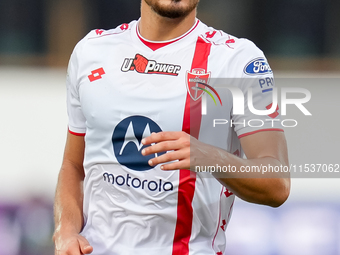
(102,33)
(222,39)
(97,36)
(241,55)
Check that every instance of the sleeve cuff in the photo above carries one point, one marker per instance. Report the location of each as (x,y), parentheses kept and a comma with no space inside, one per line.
(77,133)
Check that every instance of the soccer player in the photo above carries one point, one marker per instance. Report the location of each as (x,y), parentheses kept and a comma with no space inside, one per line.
(135,94)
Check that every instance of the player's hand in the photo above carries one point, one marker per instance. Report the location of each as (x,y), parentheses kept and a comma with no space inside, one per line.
(71,244)
(182,149)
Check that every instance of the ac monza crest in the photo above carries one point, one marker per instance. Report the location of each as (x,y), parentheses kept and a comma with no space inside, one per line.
(194,87)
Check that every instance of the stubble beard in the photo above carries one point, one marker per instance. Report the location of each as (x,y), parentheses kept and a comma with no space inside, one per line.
(175,10)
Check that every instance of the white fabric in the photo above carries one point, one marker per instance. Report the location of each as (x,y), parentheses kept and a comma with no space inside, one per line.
(134,212)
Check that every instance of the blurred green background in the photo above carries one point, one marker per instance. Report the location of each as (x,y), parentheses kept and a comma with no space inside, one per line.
(294,34)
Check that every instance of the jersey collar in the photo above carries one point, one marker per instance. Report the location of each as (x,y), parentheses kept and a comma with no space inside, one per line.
(155,45)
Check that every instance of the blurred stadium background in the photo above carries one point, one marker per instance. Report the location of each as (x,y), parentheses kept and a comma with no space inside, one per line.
(301,39)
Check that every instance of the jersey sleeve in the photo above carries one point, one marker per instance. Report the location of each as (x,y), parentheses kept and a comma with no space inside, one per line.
(76,119)
(257,82)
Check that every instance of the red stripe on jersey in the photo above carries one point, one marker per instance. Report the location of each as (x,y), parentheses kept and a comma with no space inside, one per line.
(77,134)
(219,219)
(156,45)
(261,130)
(191,124)
(187,179)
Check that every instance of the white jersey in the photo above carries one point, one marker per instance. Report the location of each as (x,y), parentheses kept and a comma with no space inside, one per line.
(122,88)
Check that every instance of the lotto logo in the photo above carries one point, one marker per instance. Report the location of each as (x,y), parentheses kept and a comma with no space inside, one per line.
(224,223)
(96,74)
(210,34)
(99,31)
(274,114)
(124,26)
(228,193)
(143,65)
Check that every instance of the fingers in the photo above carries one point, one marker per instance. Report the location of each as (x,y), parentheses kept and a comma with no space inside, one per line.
(182,164)
(162,136)
(71,249)
(165,141)
(170,156)
(73,245)
(85,247)
(162,147)
(177,146)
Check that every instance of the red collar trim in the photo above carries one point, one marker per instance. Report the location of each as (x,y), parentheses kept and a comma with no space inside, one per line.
(157,45)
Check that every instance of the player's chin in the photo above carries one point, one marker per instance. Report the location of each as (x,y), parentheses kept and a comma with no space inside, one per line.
(186,6)
(173,8)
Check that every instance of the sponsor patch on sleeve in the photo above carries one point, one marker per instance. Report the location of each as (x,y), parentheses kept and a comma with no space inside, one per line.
(258,66)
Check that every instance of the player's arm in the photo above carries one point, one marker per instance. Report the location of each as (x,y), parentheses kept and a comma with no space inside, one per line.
(68,204)
(263,148)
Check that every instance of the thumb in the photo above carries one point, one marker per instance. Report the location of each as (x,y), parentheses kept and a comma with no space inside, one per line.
(84,245)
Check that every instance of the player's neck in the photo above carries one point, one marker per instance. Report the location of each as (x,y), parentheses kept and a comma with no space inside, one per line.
(156,28)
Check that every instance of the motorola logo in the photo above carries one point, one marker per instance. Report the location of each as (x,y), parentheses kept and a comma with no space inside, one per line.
(127,142)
